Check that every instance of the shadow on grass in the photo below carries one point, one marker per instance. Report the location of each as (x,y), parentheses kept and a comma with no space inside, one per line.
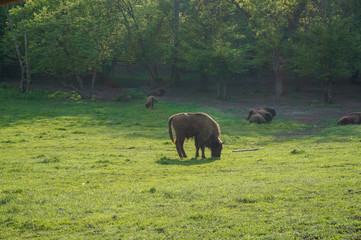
(185,162)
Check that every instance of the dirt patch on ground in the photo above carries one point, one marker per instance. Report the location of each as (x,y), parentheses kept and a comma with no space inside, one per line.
(303,106)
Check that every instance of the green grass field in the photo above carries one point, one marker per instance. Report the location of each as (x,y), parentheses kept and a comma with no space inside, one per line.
(107,170)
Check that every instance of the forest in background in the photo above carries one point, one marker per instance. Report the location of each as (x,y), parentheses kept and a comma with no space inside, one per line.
(80,42)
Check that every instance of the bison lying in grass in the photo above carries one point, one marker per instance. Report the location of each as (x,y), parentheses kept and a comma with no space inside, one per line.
(150,102)
(256,118)
(202,127)
(261,115)
(351,118)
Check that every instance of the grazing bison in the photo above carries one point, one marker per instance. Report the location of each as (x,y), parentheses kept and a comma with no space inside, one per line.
(202,127)
(351,118)
(150,102)
(158,92)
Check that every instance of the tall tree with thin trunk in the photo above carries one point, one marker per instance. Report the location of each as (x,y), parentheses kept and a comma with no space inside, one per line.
(19,36)
(325,45)
(175,78)
(72,40)
(213,43)
(273,23)
(146,34)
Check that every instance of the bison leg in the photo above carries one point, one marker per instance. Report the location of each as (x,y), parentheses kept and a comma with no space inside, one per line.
(202,148)
(179,144)
(196,142)
(182,149)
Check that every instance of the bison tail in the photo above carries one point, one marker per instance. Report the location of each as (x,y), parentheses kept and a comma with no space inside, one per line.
(170,128)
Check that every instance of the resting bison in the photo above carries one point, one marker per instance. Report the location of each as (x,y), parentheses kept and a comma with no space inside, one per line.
(256,118)
(267,116)
(270,110)
(202,127)
(351,118)
(158,92)
(150,102)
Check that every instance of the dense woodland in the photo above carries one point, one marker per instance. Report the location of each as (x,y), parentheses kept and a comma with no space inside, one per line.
(74,40)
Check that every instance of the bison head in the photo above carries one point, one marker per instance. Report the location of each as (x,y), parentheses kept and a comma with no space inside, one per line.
(216,149)
(344,120)
(250,113)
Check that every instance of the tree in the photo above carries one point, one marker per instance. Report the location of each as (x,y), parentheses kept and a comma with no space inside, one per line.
(212,45)
(72,39)
(147,34)
(18,32)
(325,45)
(273,23)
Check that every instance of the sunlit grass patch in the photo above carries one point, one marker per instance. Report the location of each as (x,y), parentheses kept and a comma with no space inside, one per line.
(95,170)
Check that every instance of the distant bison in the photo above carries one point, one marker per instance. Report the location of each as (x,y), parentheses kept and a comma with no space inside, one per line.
(158,92)
(202,127)
(270,110)
(150,102)
(266,113)
(351,118)
(256,118)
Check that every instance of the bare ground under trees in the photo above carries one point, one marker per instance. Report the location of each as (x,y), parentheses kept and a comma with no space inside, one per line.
(305,105)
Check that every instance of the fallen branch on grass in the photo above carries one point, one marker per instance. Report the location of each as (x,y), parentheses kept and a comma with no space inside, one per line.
(313,192)
(350,191)
(244,150)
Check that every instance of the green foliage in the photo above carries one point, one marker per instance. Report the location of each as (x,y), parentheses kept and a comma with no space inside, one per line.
(73,39)
(64,95)
(137,94)
(95,170)
(212,43)
(325,48)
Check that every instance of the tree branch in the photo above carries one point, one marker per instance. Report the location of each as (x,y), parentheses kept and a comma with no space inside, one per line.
(244,150)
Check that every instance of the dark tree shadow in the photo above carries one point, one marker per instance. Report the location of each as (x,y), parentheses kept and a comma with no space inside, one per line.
(185,162)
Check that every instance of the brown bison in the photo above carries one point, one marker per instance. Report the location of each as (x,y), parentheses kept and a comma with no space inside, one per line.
(150,102)
(351,118)
(158,92)
(256,118)
(202,127)
(270,110)
(267,116)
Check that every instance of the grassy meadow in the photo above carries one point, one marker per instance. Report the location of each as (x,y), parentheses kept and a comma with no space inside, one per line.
(75,169)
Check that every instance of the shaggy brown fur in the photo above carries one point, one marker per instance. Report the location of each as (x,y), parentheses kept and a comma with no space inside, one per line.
(256,118)
(202,127)
(158,92)
(267,117)
(270,110)
(351,118)
(150,102)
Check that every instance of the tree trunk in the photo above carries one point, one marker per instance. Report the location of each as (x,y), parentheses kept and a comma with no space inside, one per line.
(22,87)
(327,85)
(174,69)
(27,65)
(93,84)
(219,90)
(276,58)
(298,83)
(225,91)
(203,81)
(222,90)
(152,74)
(174,74)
